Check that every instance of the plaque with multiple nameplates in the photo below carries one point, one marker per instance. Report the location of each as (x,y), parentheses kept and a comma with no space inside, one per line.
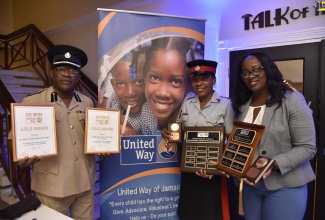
(202,144)
(239,151)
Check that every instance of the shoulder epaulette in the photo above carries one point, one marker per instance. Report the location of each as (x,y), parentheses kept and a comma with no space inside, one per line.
(225,97)
(35,92)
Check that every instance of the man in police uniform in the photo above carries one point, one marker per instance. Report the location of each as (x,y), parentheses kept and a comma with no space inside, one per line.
(201,195)
(65,182)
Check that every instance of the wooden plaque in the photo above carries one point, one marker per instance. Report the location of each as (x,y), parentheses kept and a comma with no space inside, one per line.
(240,148)
(176,129)
(258,168)
(202,144)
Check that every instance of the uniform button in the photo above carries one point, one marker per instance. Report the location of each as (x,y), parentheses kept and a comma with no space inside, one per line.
(263,152)
(45,172)
(71,126)
(74,143)
(76,158)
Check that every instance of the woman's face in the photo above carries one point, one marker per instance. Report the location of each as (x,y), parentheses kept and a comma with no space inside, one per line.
(129,92)
(254,83)
(203,85)
(165,83)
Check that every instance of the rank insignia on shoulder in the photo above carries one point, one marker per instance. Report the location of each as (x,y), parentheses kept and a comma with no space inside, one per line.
(76,96)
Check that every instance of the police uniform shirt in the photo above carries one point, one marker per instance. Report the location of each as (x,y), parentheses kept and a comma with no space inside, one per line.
(218,111)
(71,171)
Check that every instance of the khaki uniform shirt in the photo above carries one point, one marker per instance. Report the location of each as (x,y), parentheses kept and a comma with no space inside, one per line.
(217,111)
(71,171)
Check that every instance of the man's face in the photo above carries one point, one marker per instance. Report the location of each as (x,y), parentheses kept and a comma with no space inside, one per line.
(129,92)
(65,78)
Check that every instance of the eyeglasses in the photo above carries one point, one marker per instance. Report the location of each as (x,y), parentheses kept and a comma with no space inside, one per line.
(255,72)
(62,71)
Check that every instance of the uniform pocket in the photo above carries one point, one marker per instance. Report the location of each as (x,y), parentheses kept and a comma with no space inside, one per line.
(215,120)
(47,166)
(185,117)
(82,118)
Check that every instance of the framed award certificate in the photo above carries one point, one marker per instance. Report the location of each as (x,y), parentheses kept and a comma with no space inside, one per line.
(102,131)
(240,148)
(33,130)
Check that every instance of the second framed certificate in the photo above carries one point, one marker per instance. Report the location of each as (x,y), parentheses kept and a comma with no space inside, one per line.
(102,132)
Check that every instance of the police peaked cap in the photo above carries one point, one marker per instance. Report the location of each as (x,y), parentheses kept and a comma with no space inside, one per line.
(202,67)
(67,55)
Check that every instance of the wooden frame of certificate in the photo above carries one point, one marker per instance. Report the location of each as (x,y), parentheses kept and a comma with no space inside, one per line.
(202,144)
(240,148)
(33,130)
(102,131)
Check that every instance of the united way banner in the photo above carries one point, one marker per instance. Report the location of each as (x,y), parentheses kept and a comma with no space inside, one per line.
(142,72)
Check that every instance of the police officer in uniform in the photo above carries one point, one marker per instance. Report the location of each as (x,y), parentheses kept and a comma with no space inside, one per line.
(201,194)
(65,182)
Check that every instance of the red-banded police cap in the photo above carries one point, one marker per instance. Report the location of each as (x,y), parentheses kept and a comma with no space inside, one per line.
(198,67)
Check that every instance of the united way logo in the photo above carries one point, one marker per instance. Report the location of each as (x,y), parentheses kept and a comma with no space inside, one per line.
(167,150)
(319,5)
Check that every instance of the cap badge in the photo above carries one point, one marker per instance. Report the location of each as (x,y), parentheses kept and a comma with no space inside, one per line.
(197,68)
(67,55)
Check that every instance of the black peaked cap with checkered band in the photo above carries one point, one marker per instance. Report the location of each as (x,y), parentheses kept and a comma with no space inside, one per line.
(67,55)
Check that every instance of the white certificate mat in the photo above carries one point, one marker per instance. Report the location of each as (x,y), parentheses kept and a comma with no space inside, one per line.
(43,212)
(33,130)
(102,134)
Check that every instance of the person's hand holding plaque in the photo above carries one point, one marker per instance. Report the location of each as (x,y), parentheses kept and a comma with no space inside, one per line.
(220,171)
(203,174)
(28,161)
(166,134)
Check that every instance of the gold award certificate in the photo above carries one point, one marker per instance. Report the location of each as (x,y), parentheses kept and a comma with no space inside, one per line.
(33,130)
(102,134)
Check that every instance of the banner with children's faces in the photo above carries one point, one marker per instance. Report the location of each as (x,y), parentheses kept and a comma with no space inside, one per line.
(142,72)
